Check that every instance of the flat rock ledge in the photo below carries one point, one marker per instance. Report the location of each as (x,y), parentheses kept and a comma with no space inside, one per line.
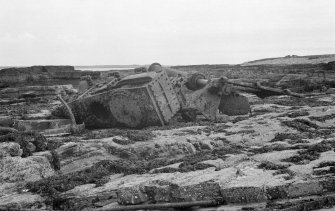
(235,185)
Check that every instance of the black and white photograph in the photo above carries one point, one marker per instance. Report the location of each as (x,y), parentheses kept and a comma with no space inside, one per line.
(195,105)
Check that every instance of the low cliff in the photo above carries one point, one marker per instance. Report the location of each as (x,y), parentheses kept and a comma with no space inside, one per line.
(36,74)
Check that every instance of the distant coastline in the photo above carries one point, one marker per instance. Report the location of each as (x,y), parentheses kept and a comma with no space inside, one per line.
(92,68)
(103,68)
(285,60)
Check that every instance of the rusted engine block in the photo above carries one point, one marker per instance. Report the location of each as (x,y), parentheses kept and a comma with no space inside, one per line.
(136,101)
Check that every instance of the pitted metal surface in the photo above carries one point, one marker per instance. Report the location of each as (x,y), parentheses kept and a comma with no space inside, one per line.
(137,101)
(126,108)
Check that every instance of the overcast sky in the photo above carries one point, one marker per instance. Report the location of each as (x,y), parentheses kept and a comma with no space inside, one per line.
(96,32)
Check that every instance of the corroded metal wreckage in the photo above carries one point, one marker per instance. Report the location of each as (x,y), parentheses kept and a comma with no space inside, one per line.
(147,99)
(153,96)
(136,101)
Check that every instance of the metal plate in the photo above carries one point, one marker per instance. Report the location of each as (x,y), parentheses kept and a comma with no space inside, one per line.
(234,104)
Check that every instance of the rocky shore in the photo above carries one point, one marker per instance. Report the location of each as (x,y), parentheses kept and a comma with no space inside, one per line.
(279,157)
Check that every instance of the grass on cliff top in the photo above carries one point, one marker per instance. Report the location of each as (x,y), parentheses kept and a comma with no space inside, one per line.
(293,59)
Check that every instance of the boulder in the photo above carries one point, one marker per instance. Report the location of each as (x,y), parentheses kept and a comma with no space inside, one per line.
(331,91)
(6,130)
(201,143)
(218,163)
(43,114)
(84,196)
(36,91)
(22,201)
(52,157)
(172,166)
(78,156)
(173,187)
(10,149)
(42,124)
(250,184)
(165,147)
(163,187)
(6,121)
(16,169)
(304,188)
(8,189)
(230,161)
